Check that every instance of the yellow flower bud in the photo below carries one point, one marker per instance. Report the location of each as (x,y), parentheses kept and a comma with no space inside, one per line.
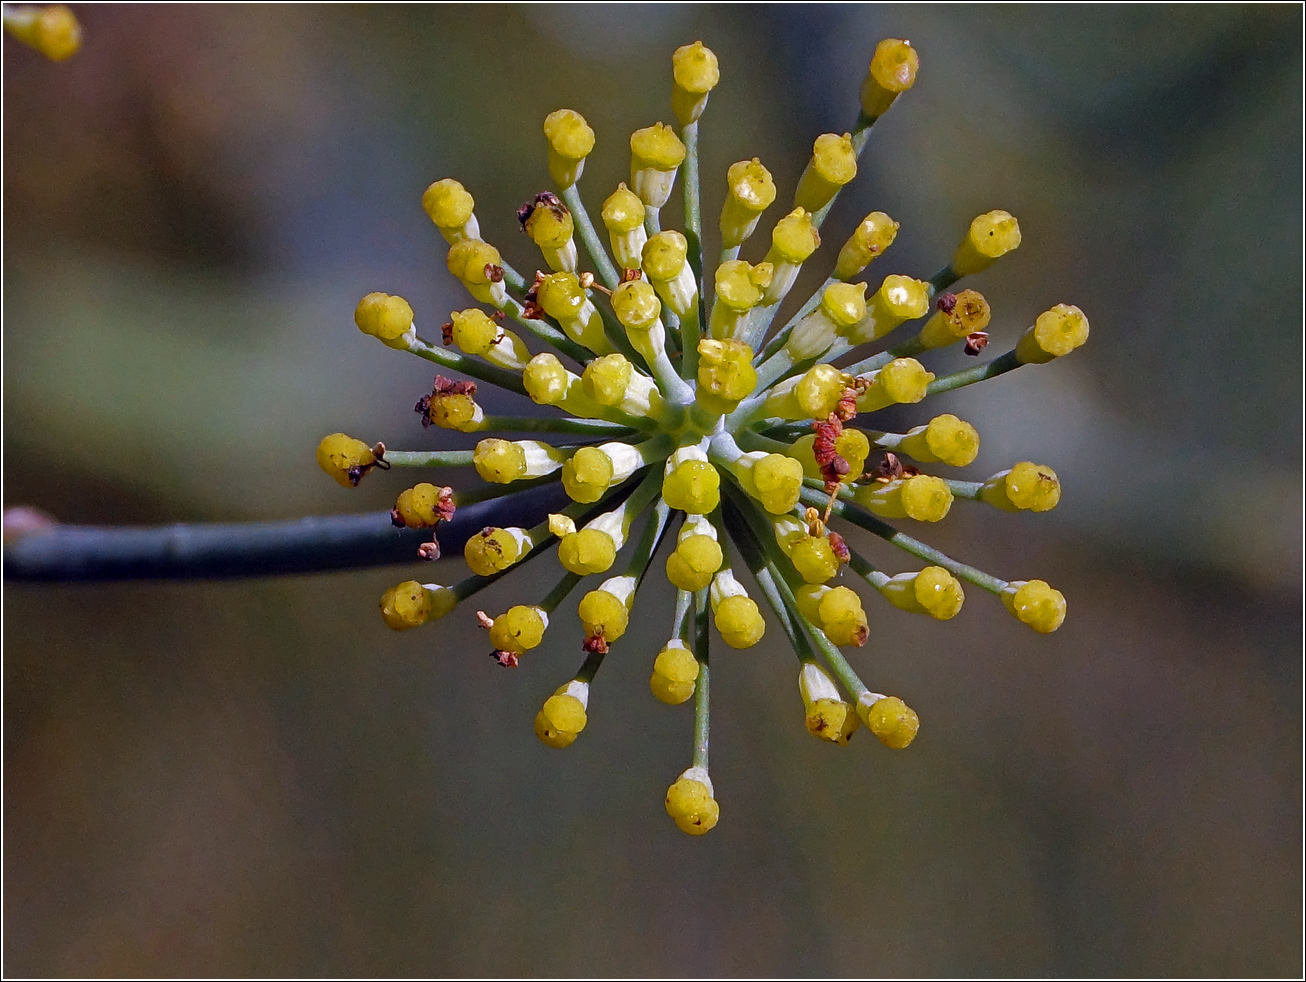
(1035,603)
(693,486)
(451,207)
(587,476)
(749,192)
(932,591)
(587,551)
(494,549)
(695,73)
(636,305)
(903,380)
(1024,487)
(405,606)
(867,243)
(843,305)
(345,458)
(833,720)
(423,506)
(852,445)
(570,141)
(53,31)
(991,236)
(945,439)
(623,214)
(894,723)
(499,461)
(833,164)
(813,557)
(819,391)
(387,318)
(776,481)
(691,805)
(606,379)
(665,255)
(675,671)
(920,497)
(562,718)
(892,71)
(546,380)
(841,616)
(468,260)
(1057,332)
(454,411)
(655,153)
(519,630)
(898,299)
(694,562)
(740,285)
(957,316)
(725,374)
(603,615)
(739,622)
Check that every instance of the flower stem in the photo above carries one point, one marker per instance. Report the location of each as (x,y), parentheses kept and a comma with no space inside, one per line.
(967,376)
(546,424)
(316,544)
(702,686)
(429,458)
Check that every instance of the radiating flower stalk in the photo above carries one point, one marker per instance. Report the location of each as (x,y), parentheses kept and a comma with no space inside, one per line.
(684,419)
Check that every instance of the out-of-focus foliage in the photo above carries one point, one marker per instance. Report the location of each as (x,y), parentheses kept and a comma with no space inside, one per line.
(260,778)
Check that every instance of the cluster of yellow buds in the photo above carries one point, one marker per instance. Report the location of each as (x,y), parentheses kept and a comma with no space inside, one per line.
(690,418)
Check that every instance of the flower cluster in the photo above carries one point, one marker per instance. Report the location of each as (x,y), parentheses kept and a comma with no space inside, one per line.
(53,31)
(707,424)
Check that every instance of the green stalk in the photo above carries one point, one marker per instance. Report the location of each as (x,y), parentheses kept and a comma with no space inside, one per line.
(968,376)
(702,715)
(456,362)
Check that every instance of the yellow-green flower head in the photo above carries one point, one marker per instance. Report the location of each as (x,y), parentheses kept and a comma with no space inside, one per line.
(892,72)
(903,380)
(387,318)
(405,606)
(623,215)
(570,141)
(546,380)
(919,497)
(898,299)
(991,236)
(562,718)
(675,671)
(1025,487)
(453,409)
(932,591)
(53,31)
(665,263)
(1035,603)
(504,461)
(736,615)
(828,715)
(697,556)
(587,551)
(655,153)
(749,192)
(867,243)
(774,479)
(837,611)
(843,306)
(690,803)
(725,374)
(423,506)
(945,440)
(691,484)
(957,316)
(587,476)
(812,556)
(852,445)
(604,614)
(1056,332)
(550,226)
(451,207)
(833,164)
(636,305)
(345,459)
(740,287)
(695,73)
(470,260)
(519,630)
(894,723)
(493,550)
(473,331)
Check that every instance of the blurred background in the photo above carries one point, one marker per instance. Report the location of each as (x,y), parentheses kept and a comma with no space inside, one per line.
(258,777)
